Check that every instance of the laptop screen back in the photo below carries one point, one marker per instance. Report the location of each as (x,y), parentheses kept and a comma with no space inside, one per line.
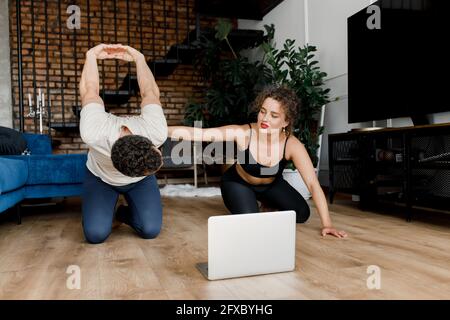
(250,244)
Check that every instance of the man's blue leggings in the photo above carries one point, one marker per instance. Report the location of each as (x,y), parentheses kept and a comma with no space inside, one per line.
(99,200)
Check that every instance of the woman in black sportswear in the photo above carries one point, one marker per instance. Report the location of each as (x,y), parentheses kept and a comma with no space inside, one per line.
(264,148)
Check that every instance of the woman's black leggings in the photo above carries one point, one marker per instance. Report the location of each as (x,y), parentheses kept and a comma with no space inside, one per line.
(241,197)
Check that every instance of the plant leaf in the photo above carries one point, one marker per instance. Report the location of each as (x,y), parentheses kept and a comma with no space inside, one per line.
(223,29)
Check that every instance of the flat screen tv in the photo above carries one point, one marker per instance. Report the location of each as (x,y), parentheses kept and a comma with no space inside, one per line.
(400,69)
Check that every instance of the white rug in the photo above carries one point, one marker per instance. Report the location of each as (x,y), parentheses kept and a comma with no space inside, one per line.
(187,190)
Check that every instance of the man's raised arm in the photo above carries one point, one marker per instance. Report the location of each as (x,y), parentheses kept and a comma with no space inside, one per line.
(90,80)
(147,84)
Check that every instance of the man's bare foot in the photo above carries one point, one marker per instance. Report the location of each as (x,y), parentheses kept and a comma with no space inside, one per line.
(121,202)
(116,223)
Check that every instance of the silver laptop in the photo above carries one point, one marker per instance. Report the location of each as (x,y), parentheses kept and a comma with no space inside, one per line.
(250,244)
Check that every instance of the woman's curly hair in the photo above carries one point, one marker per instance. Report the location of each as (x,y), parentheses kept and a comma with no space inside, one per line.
(135,156)
(288,99)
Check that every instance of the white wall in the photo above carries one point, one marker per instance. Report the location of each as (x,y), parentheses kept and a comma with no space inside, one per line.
(323,23)
(288,18)
(328,31)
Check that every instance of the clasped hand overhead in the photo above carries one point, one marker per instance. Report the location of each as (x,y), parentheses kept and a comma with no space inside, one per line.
(115,51)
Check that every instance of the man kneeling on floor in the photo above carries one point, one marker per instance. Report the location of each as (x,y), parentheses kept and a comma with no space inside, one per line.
(123,152)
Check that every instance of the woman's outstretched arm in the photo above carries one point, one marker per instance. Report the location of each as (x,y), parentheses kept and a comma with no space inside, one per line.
(296,152)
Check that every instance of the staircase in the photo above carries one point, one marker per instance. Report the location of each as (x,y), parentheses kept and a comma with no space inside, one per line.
(183,53)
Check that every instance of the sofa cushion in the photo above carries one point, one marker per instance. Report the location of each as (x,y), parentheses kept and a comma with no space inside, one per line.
(56,169)
(8,200)
(38,143)
(11,141)
(53,190)
(13,174)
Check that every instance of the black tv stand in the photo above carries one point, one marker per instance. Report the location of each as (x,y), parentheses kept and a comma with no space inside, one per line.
(438,157)
(420,120)
(408,166)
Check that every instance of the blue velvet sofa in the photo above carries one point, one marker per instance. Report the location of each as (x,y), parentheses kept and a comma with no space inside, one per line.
(40,174)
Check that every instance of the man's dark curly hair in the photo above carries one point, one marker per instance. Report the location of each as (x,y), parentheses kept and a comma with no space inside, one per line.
(135,156)
(288,99)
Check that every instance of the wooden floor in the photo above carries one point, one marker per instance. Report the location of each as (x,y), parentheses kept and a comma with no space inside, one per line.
(414,258)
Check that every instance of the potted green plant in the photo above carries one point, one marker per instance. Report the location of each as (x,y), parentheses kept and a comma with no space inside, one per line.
(232,81)
(297,68)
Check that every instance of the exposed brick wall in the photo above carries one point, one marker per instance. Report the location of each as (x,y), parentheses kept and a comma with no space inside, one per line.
(157,33)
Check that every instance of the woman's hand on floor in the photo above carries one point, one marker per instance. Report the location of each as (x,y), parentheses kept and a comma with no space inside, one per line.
(333,232)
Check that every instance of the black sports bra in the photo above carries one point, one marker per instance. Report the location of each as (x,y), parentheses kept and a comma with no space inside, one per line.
(253,168)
